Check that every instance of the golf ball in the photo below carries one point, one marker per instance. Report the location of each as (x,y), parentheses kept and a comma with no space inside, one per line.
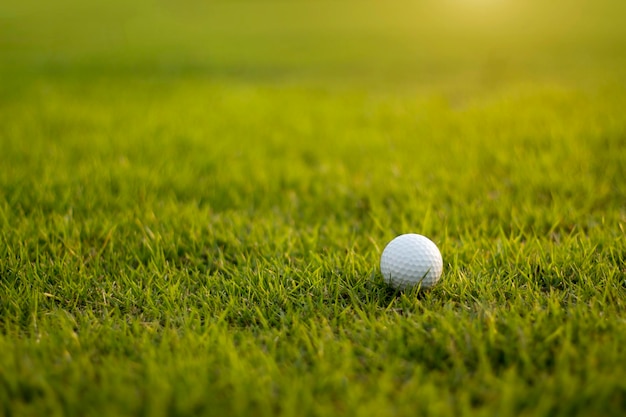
(409,260)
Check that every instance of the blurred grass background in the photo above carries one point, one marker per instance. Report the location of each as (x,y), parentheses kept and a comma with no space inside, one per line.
(472,44)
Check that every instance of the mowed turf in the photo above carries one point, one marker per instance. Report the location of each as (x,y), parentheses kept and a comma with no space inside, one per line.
(194,199)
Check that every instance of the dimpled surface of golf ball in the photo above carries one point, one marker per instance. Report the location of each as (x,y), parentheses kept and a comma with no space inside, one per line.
(409,260)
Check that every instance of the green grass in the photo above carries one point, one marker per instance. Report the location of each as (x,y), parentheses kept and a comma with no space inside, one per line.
(194,199)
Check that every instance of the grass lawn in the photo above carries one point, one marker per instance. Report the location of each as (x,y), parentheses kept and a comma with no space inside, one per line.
(194,198)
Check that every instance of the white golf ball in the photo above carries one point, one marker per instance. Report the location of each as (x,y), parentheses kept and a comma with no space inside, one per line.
(409,260)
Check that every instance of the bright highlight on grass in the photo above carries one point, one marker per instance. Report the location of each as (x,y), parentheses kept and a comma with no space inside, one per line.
(195,198)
